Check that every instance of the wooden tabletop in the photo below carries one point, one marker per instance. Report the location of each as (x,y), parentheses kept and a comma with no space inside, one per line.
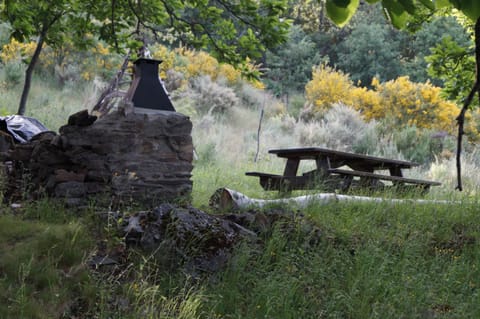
(339,158)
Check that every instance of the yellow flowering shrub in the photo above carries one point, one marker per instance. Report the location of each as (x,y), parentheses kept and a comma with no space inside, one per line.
(231,74)
(193,64)
(101,54)
(416,104)
(201,63)
(99,60)
(401,101)
(66,62)
(161,52)
(17,50)
(251,68)
(328,87)
(368,102)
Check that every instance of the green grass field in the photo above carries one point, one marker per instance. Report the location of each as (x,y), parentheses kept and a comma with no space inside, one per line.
(372,260)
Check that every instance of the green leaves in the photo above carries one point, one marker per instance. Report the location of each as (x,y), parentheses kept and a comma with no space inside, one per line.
(340,11)
(454,64)
(439,4)
(471,8)
(397,11)
(428,3)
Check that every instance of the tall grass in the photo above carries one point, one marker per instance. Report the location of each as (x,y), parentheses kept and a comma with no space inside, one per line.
(341,260)
(41,267)
(373,261)
(47,102)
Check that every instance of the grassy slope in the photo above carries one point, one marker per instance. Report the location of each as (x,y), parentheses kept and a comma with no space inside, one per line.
(41,265)
(372,260)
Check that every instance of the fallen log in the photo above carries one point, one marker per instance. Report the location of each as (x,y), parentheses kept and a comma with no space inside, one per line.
(225,199)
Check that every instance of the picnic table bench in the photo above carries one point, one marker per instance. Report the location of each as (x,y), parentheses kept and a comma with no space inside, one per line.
(359,171)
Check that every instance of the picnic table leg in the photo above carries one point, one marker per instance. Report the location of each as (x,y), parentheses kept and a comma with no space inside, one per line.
(369,182)
(325,178)
(396,171)
(323,165)
(347,182)
(291,167)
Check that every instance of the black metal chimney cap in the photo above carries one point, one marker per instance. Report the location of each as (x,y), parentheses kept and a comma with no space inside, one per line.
(148,91)
(146,60)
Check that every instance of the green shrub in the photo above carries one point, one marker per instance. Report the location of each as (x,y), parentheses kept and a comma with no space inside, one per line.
(5,30)
(295,105)
(417,145)
(13,72)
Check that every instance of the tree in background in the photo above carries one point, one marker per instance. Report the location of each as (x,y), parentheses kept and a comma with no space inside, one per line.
(423,43)
(367,47)
(373,48)
(369,52)
(290,65)
(231,31)
(310,15)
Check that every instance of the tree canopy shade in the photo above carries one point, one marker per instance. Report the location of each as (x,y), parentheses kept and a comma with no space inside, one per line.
(231,31)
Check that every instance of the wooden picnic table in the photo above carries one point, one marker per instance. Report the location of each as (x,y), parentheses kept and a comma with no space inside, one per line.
(359,170)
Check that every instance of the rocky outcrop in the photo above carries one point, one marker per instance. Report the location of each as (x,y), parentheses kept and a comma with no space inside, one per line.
(199,242)
(185,236)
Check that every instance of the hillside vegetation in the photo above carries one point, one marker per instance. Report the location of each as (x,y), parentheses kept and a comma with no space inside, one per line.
(367,260)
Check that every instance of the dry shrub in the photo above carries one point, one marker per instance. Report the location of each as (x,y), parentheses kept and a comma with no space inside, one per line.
(342,128)
(444,170)
(174,80)
(250,96)
(210,97)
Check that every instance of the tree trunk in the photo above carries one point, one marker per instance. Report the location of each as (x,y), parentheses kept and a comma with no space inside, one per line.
(29,73)
(226,199)
(468,101)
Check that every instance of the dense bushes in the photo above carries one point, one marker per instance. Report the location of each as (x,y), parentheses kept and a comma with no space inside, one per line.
(400,101)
